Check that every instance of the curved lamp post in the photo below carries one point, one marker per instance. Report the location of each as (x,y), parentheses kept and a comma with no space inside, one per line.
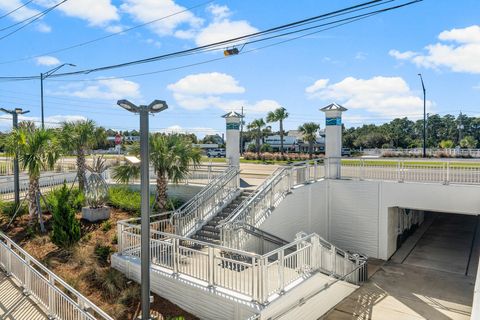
(154,107)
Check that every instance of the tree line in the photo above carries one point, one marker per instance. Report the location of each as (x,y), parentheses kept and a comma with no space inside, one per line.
(445,131)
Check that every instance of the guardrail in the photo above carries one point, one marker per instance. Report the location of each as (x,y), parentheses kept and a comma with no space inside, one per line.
(55,296)
(6,166)
(186,219)
(445,172)
(258,277)
(255,209)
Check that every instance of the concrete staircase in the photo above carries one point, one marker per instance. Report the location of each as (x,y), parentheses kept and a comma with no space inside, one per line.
(209,232)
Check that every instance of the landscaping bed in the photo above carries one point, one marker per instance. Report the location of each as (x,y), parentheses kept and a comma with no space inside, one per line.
(86,265)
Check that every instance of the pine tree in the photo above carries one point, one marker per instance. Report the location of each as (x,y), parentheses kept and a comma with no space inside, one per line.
(66,228)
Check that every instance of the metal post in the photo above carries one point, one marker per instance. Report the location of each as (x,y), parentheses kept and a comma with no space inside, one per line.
(424,117)
(41,100)
(145,213)
(16,170)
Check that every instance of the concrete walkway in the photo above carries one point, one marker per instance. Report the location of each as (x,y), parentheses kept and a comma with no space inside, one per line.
(430,278)
(14,305)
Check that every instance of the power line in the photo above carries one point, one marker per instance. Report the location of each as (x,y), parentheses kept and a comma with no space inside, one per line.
(81,44)
(224,42)
(16,9)
(33,19)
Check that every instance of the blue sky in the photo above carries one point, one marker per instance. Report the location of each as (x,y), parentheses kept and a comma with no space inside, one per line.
(369,66)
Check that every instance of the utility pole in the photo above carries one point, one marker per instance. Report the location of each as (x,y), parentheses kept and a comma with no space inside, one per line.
(16,170)
(241,134)
(44,76)
(460,128)
(424,117)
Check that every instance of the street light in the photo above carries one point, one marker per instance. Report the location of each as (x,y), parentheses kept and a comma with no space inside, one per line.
(424,117)
(44,76)
(16,172)
(154,107)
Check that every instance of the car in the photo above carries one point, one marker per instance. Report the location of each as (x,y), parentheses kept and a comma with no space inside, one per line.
(216,153)
(346,152)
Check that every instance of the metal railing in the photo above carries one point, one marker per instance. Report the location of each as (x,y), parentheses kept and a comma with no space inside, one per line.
(47,183)
(445,172)
(255,209)
(418,152)
(55,296)
(62,165)
(189,217)
(259,278)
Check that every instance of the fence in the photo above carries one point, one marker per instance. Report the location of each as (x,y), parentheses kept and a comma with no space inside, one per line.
(257,277)
(55,296)
(445,172)
(62,165)
(255,209)
(418,152)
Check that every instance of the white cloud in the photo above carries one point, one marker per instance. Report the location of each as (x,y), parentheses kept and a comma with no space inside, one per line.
(108,89)
(20,14)
(197,130)
(96,12)
(43,27)
(207,90)
(114,28)
(387,96)
(319,84)
(50,121)
(361,55)
(461,55)
(148,10)
(207,83)
(222,28)
(47,61)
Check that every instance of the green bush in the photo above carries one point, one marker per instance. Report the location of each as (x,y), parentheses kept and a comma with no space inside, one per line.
(76,198)
(106,225)
(8,209)
(102,253)
(129,200)
(66,228)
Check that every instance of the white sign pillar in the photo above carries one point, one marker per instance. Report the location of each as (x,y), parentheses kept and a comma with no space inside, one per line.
(233,121)
(333,140)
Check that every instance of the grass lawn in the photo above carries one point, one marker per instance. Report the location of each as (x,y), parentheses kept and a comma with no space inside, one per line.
(86,265)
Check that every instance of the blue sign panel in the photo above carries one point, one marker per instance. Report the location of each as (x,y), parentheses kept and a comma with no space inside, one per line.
(233,126)
(334,121)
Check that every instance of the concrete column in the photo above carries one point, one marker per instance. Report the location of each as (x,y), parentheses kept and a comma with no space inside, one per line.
(233,120)
(333,140)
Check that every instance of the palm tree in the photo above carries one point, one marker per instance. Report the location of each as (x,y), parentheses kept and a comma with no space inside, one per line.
(278,115)
(171,157)
(309,131)
(79,136)
(257,127)
(37,150)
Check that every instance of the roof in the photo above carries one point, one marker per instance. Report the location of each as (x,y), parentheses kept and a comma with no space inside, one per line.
(232,114)
(333,107)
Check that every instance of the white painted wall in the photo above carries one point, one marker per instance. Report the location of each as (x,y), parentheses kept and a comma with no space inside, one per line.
(360,215)
(305,209)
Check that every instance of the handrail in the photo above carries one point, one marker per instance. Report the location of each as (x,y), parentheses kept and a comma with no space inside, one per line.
(31,273)
(259,277)
(267,196)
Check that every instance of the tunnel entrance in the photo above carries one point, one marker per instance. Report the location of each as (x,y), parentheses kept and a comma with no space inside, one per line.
(446,242)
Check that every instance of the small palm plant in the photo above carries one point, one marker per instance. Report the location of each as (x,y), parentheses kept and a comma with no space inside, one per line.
(257,127)
(171,156)
(278,115)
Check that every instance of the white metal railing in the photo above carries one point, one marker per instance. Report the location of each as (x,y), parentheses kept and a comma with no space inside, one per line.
(62,165)
(476,297)
(201,174)
(55,296)
(255,209)
(47,183)
(445,172)
(258,277)
(418,152)
(189,217)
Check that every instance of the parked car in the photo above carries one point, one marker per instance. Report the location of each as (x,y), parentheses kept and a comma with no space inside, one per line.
(216,153)
(346,152)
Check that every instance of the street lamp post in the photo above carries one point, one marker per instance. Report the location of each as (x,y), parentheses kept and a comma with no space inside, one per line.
(424,117)
(44,76)
(16,171)
(154,107)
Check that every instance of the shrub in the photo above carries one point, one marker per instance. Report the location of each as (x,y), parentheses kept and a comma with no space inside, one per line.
(66,228)
(106,225)
(76,198)
(8,209)
(129,200)
(102,253)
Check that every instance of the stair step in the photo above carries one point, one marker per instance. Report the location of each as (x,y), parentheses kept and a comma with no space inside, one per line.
(211,229)
(205,239)
(206,234)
